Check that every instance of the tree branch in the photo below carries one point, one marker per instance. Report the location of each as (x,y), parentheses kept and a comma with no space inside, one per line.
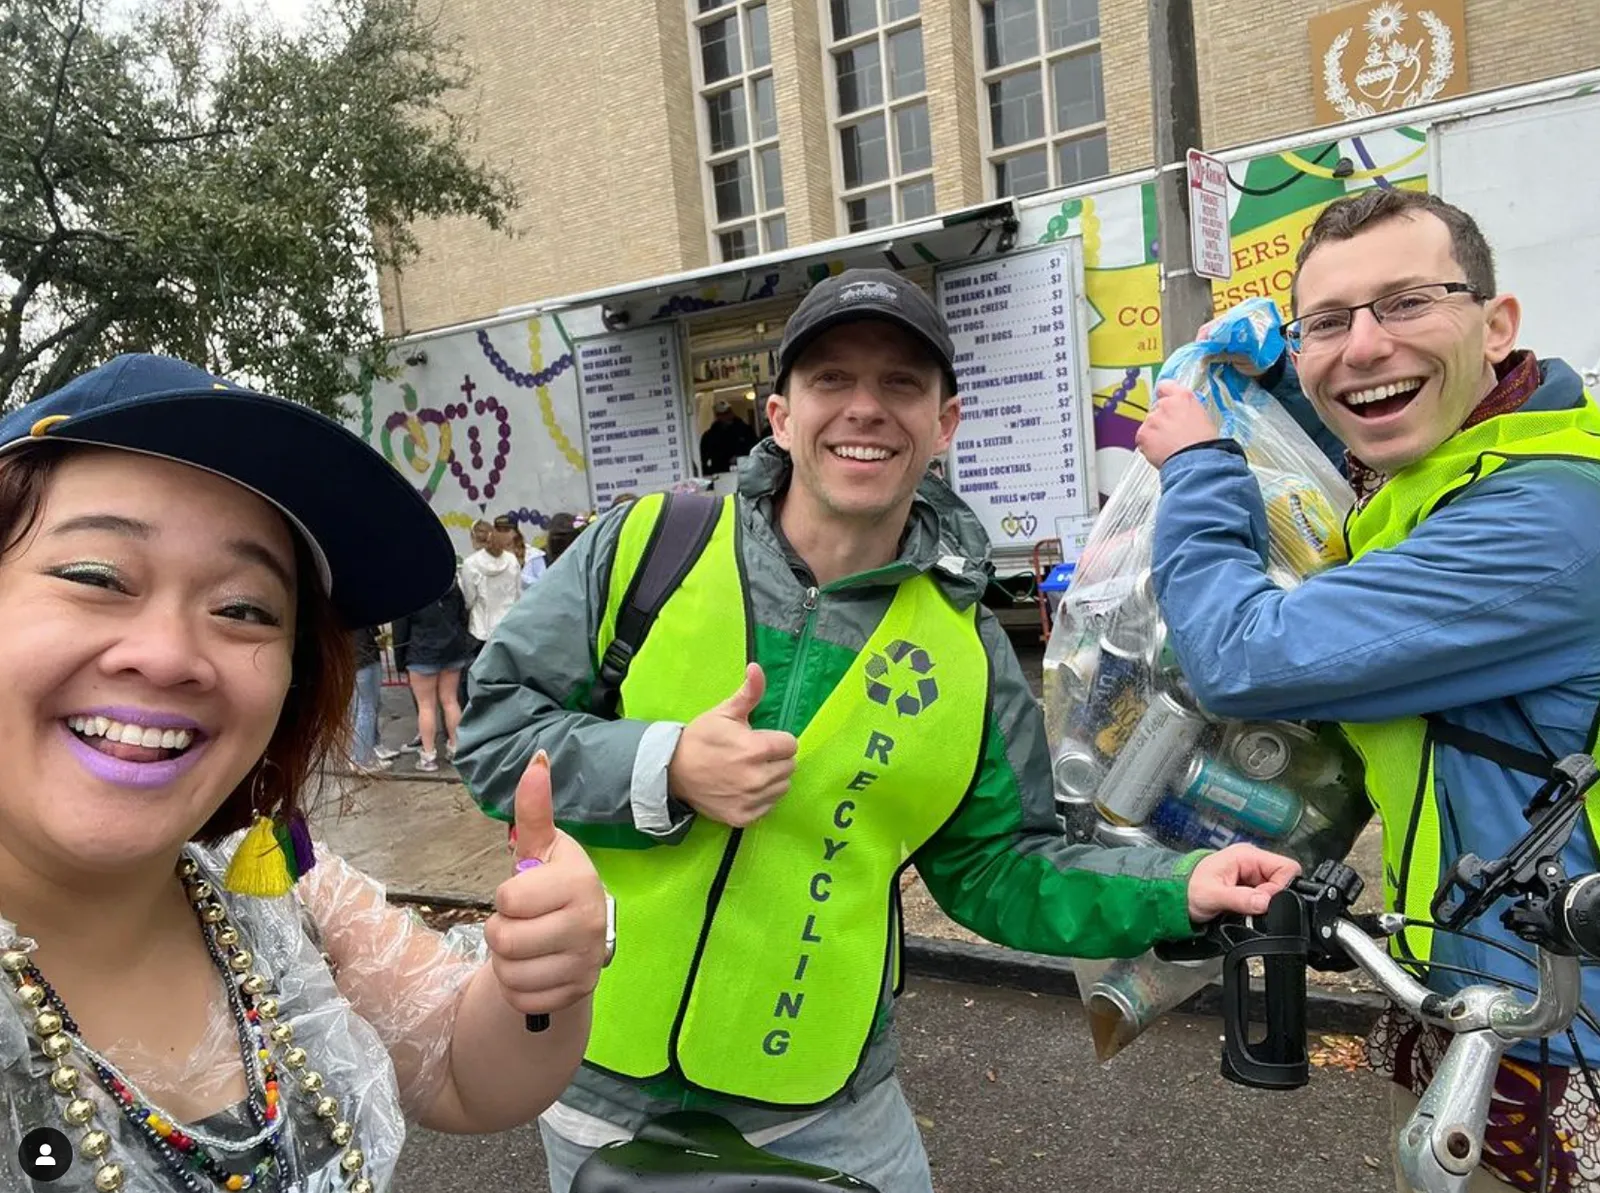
(69,359)
(205,134)
(49,132)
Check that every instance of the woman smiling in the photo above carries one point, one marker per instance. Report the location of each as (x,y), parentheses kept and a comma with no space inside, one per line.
(186,989)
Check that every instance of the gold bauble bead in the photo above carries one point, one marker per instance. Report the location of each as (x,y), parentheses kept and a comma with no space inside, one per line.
(341,1133)
(327,1107)
(47,1023)
(240,961)
(31,995)
(188,868)
(281,1033)
(311,1083)
(95,1144)
(64,1080)
(78,1111)
(227,936)
(201,891)
(254,984)
(267,1008)
(361,1185)
(295,1058)
(56,1046)
(13,961)
(352,1160)
(213,913)
(108,1178)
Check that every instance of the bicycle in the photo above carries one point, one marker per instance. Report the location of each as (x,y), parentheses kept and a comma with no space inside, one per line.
(1309,926)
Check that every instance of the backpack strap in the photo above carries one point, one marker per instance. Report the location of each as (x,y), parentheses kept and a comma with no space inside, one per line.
(682,530)
(1501,753)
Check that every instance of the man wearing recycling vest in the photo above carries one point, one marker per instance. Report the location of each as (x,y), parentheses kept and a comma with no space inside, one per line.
(820,702)
(1467,620)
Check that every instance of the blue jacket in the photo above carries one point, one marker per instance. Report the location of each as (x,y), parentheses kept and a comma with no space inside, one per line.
(1491,606)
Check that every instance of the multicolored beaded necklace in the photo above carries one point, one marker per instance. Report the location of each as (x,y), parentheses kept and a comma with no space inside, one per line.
(192,1155)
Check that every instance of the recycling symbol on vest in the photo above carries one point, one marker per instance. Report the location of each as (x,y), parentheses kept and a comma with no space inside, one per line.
(901,675)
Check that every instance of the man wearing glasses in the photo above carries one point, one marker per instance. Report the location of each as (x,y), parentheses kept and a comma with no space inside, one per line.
(1460,646)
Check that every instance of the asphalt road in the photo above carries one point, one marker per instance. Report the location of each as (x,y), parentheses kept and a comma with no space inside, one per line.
(1011,1099)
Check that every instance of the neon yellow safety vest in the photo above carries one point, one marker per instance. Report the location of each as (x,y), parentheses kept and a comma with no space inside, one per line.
(1399,753)
(754,959)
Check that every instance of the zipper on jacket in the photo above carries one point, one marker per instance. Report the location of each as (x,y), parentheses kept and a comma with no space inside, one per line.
(791,696)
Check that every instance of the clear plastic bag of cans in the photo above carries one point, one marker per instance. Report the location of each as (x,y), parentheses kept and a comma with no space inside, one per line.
(1137,761)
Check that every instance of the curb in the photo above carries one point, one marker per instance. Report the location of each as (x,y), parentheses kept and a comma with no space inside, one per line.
(1348,1012)
(401,776)
(989,965)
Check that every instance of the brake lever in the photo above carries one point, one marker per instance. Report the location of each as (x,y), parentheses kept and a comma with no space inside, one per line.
(1471,885)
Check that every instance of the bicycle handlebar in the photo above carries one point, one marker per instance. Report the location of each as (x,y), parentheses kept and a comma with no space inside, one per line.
(1309,925)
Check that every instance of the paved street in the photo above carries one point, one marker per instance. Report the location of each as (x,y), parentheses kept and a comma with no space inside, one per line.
(1005,1083)
(1011,1099)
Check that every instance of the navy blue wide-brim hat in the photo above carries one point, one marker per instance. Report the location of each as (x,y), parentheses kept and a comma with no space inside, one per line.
(380,550)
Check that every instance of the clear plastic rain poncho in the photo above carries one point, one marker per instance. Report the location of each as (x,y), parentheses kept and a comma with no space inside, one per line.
(376,1026)
(1136,759)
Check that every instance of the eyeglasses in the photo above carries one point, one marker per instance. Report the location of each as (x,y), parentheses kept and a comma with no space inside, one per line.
(1323,329)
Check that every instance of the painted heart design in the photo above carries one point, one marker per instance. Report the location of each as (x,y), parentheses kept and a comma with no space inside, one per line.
(414,447)
(484,417)
(1013,525)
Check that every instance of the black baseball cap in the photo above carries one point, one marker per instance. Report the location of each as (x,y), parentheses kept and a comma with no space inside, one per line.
(379,549)
(858,294)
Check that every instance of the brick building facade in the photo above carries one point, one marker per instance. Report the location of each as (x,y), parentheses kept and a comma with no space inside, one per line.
(649,137)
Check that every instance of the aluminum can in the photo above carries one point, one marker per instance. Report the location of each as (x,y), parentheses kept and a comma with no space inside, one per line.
(1305,530)
(1116,698)
(1131,623)
(1180,825)
(1315,839)
(1154,753)
(1078,773)
(1320,763)
(1077,818)
(1118,836)
(1163,663)
(1265,750)
(1133,992)
(1259,807)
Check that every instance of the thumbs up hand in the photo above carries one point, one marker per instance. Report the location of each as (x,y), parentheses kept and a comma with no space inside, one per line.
(726,770)
(547,936)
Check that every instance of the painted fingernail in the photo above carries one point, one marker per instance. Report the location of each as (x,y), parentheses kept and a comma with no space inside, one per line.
(528,863)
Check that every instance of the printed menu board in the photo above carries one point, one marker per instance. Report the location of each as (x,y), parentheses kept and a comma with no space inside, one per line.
(633,435)
(1023,452)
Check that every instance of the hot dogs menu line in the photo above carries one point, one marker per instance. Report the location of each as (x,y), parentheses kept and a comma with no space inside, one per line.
(1018,453)
(629,386)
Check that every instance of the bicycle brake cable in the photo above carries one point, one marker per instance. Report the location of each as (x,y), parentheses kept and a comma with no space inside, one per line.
(1589,1017)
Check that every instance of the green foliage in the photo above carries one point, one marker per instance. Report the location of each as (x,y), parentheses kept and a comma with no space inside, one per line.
(219,190)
